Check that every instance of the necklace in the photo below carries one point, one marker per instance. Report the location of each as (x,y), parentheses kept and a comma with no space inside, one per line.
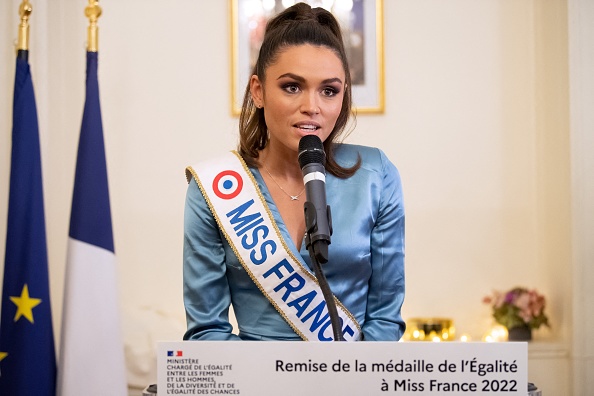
(293,197)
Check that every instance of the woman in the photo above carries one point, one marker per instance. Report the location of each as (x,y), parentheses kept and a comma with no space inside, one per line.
(249,250)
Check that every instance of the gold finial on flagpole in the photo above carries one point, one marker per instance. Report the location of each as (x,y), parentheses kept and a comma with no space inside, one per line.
(24,11)
(93,12)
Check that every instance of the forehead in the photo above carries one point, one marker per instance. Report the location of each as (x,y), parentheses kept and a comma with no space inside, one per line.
(307,59)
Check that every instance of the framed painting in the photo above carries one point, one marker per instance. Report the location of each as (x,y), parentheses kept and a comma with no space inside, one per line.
(362,25)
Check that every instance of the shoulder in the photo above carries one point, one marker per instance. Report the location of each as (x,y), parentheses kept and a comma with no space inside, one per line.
(218,163)
(377,176)
(373,159)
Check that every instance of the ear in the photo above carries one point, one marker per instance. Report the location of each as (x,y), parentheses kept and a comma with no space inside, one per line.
(257,91)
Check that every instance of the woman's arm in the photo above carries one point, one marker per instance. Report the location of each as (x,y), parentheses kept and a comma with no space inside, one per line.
(383,320)
(206,291)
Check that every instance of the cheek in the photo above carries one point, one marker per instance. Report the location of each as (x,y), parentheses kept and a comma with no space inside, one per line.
(277,104)
(337,105)
(336,111)
(274,113)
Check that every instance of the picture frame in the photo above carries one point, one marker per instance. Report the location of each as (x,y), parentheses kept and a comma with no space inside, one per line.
(362,23)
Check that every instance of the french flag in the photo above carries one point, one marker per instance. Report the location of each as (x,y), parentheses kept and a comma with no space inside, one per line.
(91,350)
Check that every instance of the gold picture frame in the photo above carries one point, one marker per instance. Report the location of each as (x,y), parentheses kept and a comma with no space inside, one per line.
(363,34)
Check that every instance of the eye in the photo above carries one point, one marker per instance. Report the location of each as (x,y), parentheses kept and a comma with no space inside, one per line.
(330,91)
(291,88)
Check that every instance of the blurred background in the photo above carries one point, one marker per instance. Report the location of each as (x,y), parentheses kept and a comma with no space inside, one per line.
(487,115)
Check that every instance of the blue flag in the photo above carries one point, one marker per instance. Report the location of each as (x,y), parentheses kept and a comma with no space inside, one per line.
(90,220)
(27,355)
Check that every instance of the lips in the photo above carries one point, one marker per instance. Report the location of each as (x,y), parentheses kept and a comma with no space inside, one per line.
(307,126)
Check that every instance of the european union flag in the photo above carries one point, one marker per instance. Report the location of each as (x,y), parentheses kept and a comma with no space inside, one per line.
(27,355)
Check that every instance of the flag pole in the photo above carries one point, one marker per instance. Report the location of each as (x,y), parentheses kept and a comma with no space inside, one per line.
(93,12)
(22,46)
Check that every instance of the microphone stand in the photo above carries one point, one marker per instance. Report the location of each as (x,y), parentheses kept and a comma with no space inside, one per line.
(318,252)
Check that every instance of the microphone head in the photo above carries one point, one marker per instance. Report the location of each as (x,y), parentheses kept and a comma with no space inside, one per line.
(311,150)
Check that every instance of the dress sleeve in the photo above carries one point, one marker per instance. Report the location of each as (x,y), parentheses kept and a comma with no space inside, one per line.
(383,320)
(206,291)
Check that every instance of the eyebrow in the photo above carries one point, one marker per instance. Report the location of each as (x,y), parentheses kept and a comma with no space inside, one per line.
(301,79)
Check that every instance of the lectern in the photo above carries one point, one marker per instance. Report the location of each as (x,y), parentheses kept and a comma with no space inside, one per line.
(341,368)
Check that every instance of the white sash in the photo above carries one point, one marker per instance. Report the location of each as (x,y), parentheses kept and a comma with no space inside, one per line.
(241,212)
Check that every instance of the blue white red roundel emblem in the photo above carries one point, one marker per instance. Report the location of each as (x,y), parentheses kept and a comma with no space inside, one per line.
(227,184)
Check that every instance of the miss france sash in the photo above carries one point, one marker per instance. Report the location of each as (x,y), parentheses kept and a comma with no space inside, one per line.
(245,220)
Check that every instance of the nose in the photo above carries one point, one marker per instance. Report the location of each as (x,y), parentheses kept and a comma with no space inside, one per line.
(309,104)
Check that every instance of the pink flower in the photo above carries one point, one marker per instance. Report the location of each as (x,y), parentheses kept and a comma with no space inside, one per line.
(522,302)
(518,306)
(499,299)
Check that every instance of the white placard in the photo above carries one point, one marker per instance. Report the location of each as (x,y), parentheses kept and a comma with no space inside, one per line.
(341,368)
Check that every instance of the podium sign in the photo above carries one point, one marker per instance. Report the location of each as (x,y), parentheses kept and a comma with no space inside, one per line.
(266,368)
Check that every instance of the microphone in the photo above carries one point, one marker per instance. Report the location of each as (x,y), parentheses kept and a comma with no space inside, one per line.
(318,219)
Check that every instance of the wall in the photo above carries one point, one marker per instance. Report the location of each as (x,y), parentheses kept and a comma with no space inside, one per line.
(476,119)
(581,63)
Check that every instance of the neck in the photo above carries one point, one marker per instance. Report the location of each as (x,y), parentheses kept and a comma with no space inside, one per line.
(283,166)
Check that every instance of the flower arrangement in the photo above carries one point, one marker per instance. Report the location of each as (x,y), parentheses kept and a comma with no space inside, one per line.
(518,307)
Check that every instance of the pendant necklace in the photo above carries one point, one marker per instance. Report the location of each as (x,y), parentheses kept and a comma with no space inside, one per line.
(293,197)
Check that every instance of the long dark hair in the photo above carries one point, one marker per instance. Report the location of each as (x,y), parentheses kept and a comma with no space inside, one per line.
(297,25)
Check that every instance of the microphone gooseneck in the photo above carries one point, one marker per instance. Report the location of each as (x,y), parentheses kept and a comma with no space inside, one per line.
(318,220)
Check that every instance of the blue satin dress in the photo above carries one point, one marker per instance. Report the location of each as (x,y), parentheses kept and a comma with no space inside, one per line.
(365,269)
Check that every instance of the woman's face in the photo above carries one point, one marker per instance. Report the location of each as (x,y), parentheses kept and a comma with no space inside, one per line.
(301,95)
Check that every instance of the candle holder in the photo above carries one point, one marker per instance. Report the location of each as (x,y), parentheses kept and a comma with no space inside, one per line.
(430,329)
